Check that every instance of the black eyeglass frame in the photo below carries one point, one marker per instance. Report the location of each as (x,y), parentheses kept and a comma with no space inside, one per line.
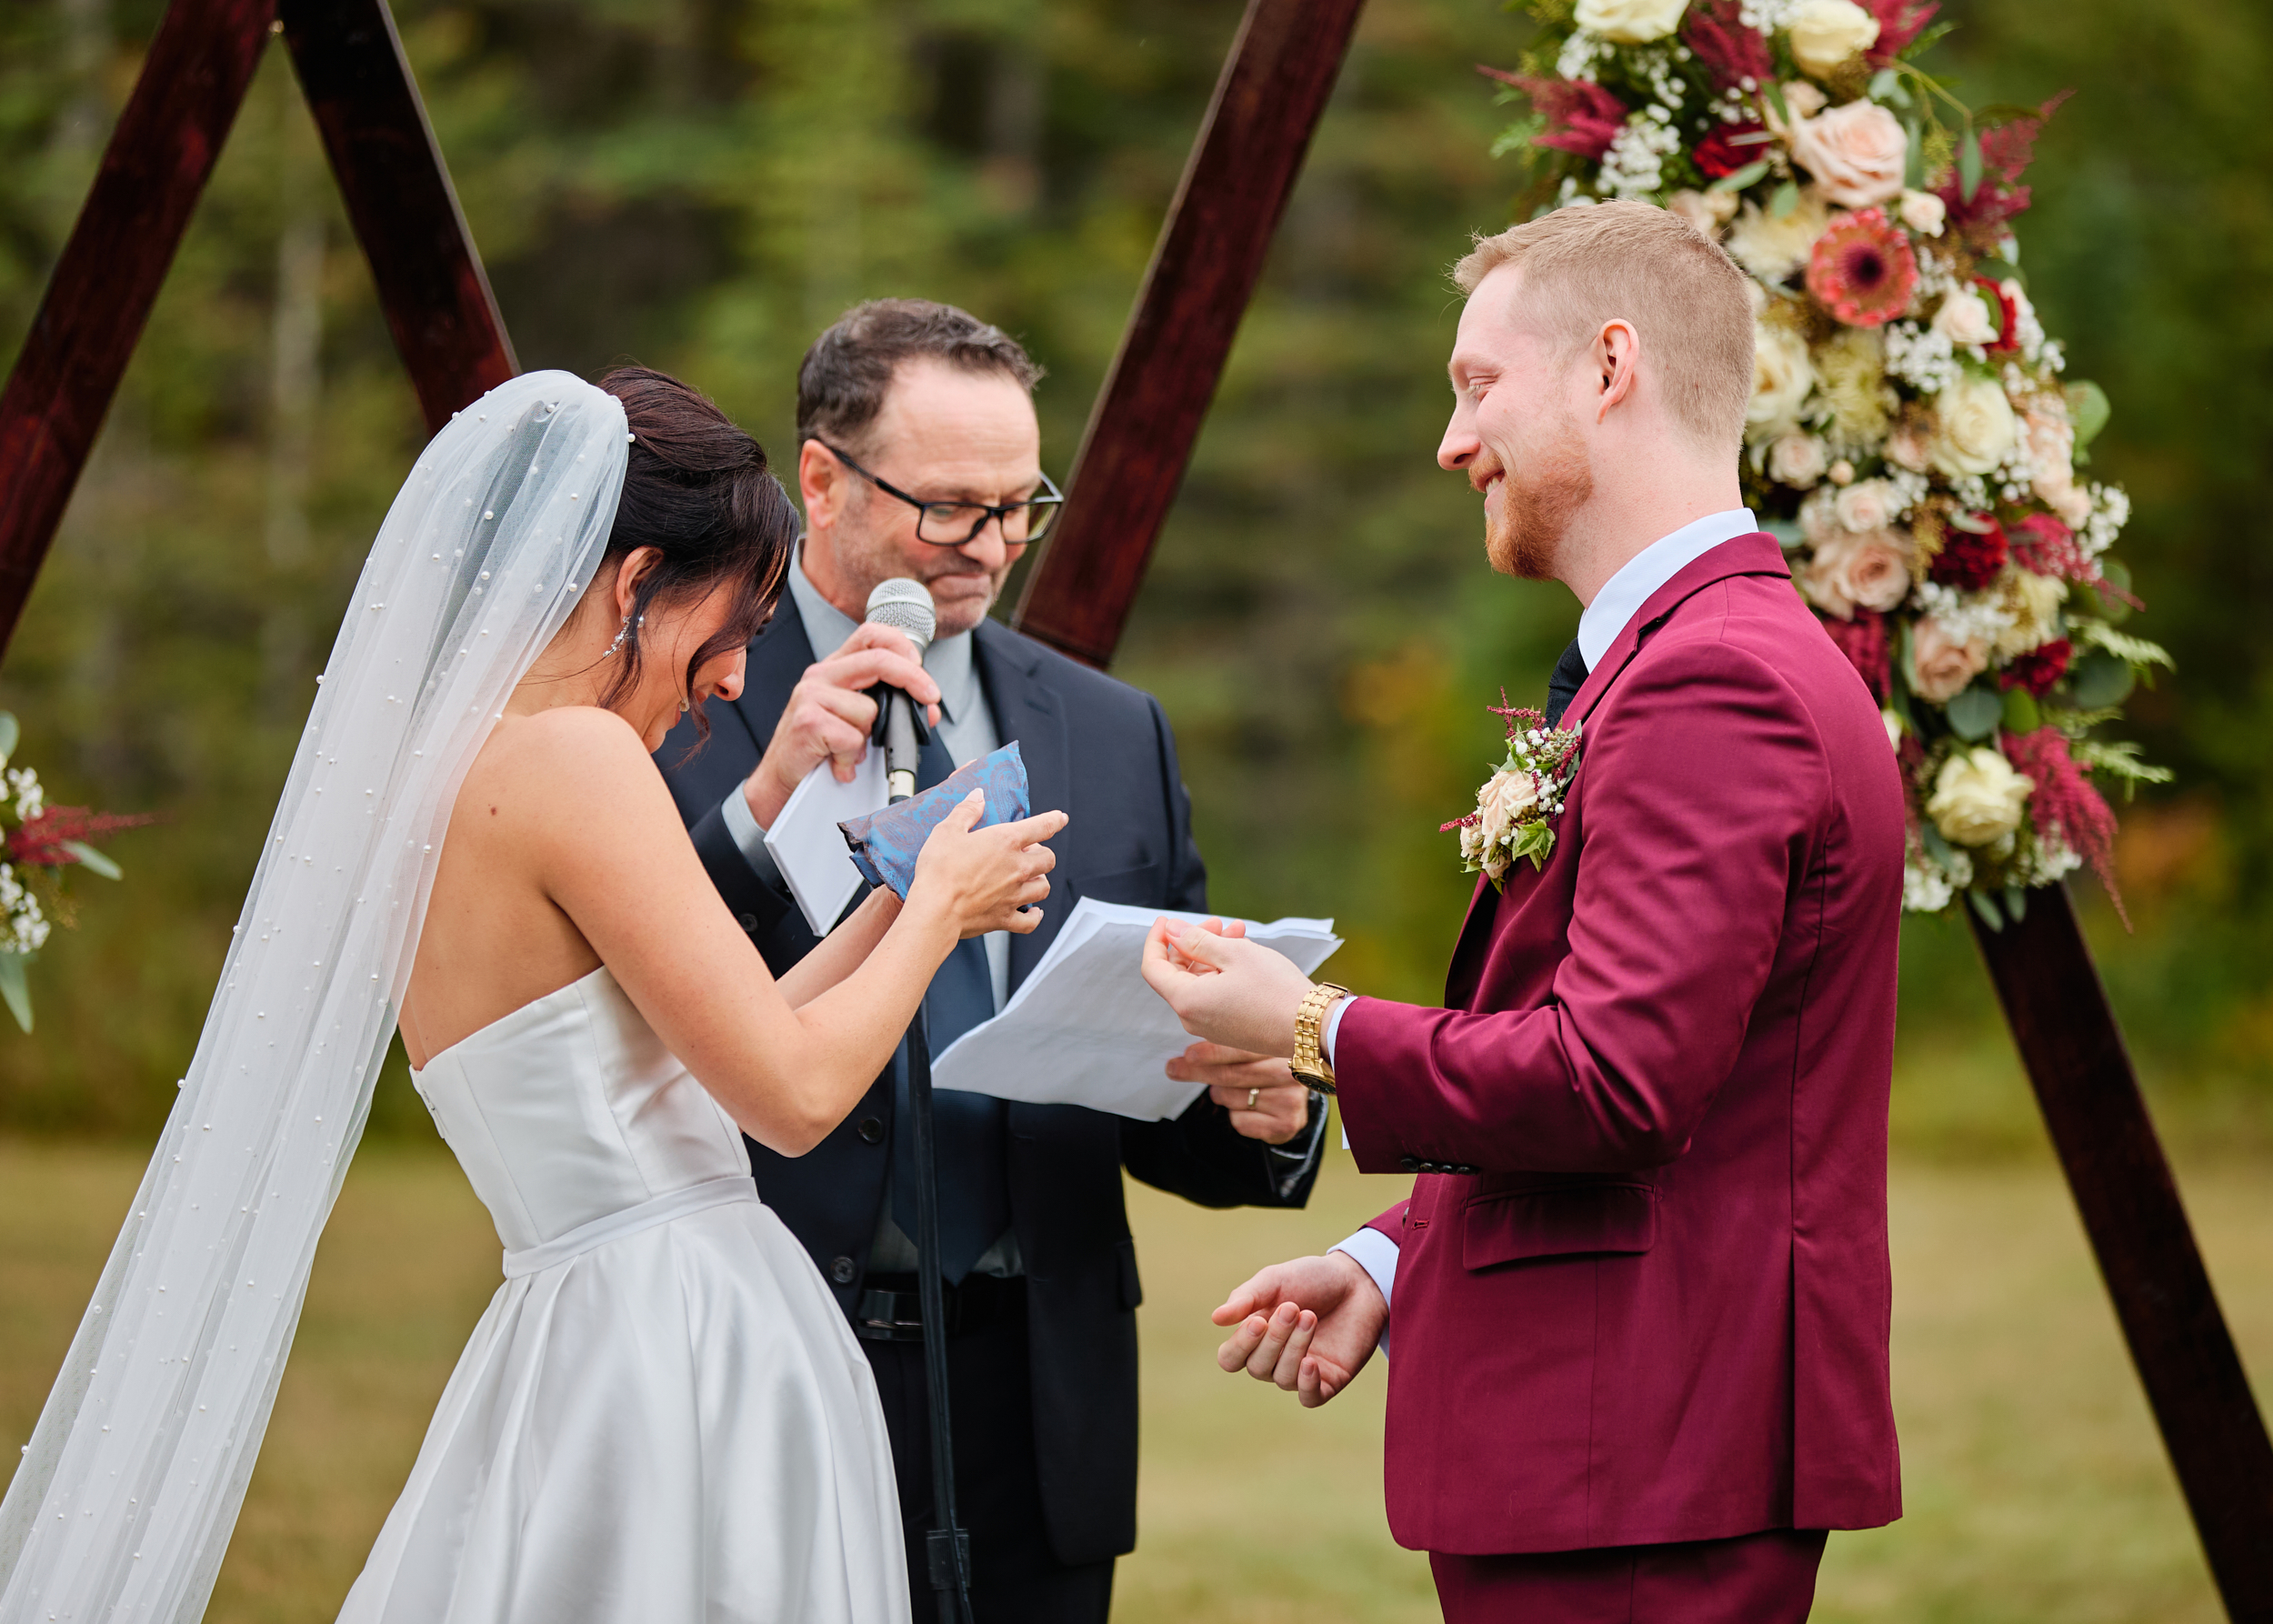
(1045,507)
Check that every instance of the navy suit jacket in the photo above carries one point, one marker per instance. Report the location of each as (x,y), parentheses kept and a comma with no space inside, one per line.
(1101,751)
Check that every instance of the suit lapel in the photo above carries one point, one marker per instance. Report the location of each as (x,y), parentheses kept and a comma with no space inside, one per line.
(1757,554)
(1028,710)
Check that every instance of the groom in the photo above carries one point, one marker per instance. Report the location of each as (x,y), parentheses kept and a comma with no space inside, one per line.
(918,456)
(1640,1288)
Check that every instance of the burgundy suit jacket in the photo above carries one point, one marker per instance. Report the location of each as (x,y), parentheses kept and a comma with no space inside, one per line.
(1658,1310)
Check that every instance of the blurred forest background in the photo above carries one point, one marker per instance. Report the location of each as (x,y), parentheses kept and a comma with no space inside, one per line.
(704,183)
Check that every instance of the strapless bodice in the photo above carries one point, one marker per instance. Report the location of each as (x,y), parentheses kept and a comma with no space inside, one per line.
(569,1111)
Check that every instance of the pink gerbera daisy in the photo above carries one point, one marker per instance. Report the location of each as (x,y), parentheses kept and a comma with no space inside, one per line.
(1862,269)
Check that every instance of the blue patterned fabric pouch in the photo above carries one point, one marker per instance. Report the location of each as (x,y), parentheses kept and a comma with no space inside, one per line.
(885,844)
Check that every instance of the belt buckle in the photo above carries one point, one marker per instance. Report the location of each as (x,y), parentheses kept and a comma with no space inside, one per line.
(889,1317)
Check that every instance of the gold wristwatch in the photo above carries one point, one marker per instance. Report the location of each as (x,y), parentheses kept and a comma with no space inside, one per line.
(1311,1067)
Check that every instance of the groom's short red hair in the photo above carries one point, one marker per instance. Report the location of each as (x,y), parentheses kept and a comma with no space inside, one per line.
(1584,265)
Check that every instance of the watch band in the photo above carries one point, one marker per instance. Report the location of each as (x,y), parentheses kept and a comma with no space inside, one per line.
(1310,1065)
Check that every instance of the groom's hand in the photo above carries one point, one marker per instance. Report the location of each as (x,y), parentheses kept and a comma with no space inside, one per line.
(1309,1326)
(831,713)
(1223,988)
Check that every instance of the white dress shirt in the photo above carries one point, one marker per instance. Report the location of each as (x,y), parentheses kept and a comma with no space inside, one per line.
(1600,626)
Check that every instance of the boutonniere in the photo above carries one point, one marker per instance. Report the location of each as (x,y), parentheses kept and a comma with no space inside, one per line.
(1518,805)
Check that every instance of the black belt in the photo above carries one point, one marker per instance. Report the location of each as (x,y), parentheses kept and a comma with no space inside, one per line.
(891,1309)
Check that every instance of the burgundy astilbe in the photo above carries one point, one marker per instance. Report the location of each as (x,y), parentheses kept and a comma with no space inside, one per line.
(1864,641)
(1581,117)
(1900,23)
(2006,153)
(40,841)
(2039,668)
(1970,560)
(2041,543)
(2066,805)
(1730,52)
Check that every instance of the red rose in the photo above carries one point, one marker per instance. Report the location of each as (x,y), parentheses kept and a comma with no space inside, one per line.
(1970,560)
(1721,153)
(2008,337)
(2037,669)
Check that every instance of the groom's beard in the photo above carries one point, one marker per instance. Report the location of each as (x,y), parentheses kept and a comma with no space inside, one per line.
(1536,505)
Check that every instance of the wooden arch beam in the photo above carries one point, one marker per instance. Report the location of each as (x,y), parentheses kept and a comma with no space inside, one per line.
(193,79)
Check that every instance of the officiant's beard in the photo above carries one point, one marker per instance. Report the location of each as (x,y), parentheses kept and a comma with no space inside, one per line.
(1523,537)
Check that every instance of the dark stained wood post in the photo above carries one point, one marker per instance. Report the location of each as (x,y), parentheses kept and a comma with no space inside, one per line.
(1273,88)
(193,79)
(2139,1229)
(398,195)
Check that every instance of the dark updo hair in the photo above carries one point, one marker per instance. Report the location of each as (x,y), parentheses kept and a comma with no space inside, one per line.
(698,491)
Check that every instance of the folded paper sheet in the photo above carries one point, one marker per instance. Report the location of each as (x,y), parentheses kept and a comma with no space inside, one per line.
(809,848)
(885,845)
(1084,1028)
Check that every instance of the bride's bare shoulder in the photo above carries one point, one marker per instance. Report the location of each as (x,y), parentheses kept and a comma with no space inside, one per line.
(571,755)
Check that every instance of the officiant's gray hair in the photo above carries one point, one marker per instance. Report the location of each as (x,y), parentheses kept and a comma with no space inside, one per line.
(1691,305)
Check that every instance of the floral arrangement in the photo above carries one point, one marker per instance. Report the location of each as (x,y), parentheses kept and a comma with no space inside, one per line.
(1910,437)
(1518,806)
(33,854)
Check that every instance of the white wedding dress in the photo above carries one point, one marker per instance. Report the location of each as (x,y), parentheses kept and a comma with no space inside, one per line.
(663,1418)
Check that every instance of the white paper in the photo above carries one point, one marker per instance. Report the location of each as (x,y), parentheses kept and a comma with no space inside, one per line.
(1085,1029)
(809,849)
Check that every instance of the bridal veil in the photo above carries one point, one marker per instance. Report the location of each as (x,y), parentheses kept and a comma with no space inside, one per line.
(124,1502)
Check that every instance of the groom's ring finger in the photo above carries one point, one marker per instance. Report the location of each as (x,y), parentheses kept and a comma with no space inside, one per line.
(1263,1363)
(1288,1373)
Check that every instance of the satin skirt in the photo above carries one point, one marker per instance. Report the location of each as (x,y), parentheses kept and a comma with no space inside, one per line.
(675,1427)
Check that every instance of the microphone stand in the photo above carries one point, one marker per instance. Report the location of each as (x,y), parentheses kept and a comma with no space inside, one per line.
(947,1547)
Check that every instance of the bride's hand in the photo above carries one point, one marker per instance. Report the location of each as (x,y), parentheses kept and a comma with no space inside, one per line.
(987,879)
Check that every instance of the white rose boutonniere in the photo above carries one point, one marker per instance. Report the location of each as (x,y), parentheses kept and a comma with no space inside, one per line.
(1517,806)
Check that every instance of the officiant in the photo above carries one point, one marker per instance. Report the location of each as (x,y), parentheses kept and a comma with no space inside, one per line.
(920,456)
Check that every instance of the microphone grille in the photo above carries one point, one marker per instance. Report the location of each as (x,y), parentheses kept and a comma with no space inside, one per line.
(906,605)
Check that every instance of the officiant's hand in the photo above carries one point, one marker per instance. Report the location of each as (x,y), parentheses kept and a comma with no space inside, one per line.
(831,713)
(1308,1325)
(1223,988)
(1260,1092)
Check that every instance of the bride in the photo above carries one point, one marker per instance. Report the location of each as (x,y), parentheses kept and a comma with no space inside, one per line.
(662,1415)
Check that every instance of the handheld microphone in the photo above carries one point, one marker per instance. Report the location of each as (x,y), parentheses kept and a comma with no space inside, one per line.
(904,606)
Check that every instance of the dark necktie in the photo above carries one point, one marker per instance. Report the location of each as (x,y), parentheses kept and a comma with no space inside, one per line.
(974,1182)
(1563,686)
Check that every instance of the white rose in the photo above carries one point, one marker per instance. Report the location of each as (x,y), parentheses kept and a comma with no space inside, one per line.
(1782,376)
(1963,318)
(1848,572)
(1797,460)
(1866,505)
(1922,213)
(1940,665)
(1826,34)
(1518,794)
(1630,22)
(1856,153)
(1495,819)
(2034,602)
(1975,429)
(2051,444)
(1978,797)
(1708,211)
(1773,248)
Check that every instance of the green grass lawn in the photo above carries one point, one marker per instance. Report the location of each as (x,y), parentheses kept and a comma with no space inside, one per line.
(2035,1486)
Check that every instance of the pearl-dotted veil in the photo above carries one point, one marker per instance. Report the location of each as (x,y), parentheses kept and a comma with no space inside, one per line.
(123,1504)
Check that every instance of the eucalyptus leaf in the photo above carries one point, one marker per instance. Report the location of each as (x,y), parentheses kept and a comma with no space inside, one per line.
(1986,906)
(1774,93)
(2088,410)
(1787,533)
(1975,713)
(1914,166)
(2016,902)
(1936,845)
(2022,715)
(1736,180)
(91,860)
(9,733)
(2100,679)
(1886,86)
(15,989)
(1786,199)
(1969,163)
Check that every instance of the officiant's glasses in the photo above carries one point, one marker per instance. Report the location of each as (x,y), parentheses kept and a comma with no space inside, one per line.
(958,524)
